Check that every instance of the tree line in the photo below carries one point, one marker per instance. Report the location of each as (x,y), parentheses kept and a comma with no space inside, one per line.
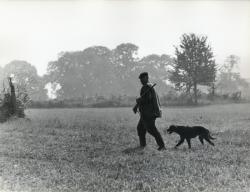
(99,72)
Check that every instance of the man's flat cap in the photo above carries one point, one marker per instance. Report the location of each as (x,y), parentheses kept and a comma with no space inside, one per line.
(142,75)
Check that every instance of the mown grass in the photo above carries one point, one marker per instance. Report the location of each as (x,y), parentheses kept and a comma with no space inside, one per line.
(93,150)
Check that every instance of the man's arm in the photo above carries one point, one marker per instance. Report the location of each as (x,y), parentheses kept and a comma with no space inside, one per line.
(142,100)
(147,98)
(135,108)
(156,104)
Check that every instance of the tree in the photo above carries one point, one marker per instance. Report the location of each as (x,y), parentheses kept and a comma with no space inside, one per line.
(84,73)
(100,72)
(26,78)
(125,62)
(158,67)
(65,72)
(194,64)
(229,79)
(97,71)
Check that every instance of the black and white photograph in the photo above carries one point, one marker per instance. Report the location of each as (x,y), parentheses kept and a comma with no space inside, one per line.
(124,96)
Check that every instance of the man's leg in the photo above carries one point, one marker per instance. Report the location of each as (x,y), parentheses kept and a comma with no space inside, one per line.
(151,128)
(141,131)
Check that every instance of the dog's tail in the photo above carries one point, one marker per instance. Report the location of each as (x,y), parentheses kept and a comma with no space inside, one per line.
(210,137)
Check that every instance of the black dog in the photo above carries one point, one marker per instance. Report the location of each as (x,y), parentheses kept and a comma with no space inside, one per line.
(188,133)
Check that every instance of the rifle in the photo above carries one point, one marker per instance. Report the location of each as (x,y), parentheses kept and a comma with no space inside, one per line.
(137,105)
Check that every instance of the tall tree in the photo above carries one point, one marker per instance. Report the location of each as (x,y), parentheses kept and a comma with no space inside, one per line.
(194,64)
(65,72)
(158,67)
(229,79)
(84,73)
(124,58)
(100,71)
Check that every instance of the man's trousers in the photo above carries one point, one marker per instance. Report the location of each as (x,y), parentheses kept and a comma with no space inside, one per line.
(148,125)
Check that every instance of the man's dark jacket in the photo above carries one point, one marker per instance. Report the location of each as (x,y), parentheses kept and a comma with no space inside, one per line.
(149,105)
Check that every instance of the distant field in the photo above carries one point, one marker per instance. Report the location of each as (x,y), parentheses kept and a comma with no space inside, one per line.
(92,150)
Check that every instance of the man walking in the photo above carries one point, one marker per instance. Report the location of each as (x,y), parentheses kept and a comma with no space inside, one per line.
(149,109)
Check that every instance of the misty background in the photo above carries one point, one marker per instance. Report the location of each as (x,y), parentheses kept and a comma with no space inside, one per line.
(90,52)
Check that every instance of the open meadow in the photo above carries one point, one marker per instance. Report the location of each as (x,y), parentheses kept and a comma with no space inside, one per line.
(93,150)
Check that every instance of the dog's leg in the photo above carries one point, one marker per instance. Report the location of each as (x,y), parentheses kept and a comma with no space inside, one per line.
(201,140)
(210,142)
(210,137)
(189,142)
(180,142)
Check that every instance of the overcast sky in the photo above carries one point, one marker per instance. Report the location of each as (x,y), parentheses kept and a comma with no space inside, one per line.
(38,31)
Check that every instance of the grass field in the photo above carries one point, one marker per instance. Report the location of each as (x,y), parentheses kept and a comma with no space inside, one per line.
(93,150)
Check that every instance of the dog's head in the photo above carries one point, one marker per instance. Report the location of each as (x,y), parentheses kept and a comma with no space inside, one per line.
(171,129)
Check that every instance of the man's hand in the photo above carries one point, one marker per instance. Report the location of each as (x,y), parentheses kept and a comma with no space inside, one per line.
(135,109)
(138,100)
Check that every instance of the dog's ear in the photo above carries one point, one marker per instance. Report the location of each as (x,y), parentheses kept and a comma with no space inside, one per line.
(175,127)
(172,126)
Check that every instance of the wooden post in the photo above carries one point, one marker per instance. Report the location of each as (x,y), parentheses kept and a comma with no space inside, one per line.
(12,98)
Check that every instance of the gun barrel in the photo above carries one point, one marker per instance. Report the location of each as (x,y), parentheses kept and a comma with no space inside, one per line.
(148,90)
